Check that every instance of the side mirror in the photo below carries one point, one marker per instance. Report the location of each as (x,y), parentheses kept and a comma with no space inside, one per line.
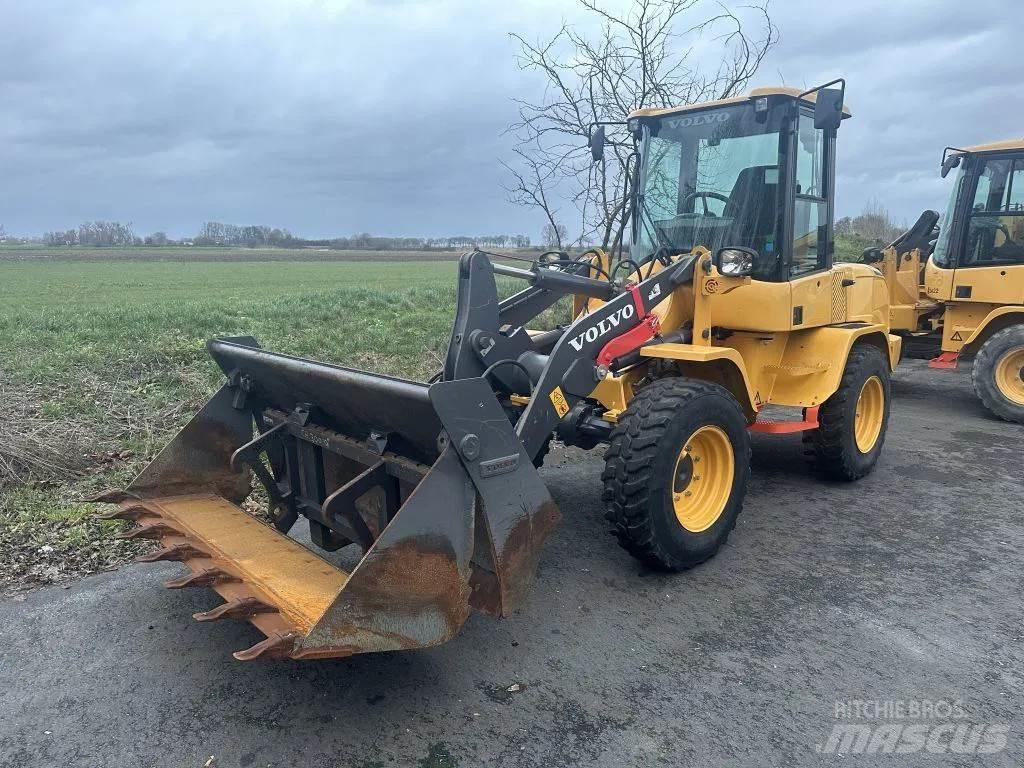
(597,144)
(828,108)
(872,255)
(735,261)
(949,163)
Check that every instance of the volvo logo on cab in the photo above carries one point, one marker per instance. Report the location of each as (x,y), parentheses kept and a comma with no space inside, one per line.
(706,118)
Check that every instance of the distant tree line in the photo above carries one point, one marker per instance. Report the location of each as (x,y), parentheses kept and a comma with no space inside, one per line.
(376,243)
(101,233)
(215,233)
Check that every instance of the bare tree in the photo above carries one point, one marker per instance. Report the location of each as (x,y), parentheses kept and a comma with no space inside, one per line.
(875,223)
(554,236)
(651,55)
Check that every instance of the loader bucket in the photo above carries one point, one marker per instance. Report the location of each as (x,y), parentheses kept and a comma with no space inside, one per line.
(429,481)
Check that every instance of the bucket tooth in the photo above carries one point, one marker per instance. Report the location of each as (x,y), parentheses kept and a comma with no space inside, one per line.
(243,608)
(133,512)
(154,531)
(204,578)
(277,646)
(179,553)
(114,496)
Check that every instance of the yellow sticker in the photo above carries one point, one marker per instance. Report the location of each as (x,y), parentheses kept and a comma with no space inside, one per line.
(558,400)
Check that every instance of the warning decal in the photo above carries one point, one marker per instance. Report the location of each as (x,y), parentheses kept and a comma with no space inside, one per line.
(558,400)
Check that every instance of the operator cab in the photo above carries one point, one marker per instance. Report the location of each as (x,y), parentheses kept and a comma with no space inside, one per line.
(753,172)
(984,223)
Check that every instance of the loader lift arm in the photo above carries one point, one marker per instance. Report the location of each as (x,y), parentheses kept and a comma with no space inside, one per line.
(484,342)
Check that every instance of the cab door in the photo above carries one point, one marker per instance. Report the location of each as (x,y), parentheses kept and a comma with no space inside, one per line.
(990,267)
(810,250)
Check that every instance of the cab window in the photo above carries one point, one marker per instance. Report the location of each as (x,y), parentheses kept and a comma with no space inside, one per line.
(810,207)
(995,230)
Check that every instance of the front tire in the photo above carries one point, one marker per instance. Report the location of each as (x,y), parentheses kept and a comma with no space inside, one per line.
(676,471)
(998,374)
(853,421)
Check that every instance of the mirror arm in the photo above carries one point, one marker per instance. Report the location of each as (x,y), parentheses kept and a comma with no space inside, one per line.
(824,85)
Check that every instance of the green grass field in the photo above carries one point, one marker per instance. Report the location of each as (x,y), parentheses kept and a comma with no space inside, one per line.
(101,362)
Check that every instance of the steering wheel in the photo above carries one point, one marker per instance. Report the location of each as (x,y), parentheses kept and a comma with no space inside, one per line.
(995,225)
(704,197)
(1006,234)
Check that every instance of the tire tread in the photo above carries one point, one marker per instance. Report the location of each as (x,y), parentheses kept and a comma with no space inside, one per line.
(629,461)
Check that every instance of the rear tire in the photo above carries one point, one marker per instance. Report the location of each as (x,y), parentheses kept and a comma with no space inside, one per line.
(854,420)
(676,471)
(998,374)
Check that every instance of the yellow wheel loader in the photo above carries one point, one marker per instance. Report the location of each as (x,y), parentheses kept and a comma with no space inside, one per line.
(958,294)
(726,302)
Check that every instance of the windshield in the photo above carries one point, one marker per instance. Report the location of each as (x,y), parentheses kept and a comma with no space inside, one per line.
(712,179)
(942,255)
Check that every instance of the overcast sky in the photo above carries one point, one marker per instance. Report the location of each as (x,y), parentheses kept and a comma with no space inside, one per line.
(335,116)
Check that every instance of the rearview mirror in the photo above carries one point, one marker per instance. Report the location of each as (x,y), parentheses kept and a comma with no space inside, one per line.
(949,163)
(828,108)
(597,144)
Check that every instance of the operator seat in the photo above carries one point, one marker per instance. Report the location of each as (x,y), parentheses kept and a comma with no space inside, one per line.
(752,208)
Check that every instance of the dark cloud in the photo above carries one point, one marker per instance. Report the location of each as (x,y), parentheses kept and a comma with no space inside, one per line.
(388,116)
(922,74)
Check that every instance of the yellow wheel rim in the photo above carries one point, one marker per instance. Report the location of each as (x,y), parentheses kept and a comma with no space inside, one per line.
(702,479)
(1010,375)
(867,424)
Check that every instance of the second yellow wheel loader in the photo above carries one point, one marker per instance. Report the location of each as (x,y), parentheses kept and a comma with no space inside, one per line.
(728,301)
(958,294)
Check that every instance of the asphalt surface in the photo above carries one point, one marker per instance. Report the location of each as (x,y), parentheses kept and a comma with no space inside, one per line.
(906,586)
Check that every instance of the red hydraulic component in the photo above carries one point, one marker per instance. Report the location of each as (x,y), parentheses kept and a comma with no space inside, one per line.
(630,340)
(633,338)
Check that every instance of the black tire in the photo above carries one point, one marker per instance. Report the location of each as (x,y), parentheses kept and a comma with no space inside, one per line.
(921,347)
(836,452)
(993,354)
(642,465)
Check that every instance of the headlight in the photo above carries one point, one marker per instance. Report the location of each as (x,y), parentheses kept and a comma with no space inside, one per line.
(736,262)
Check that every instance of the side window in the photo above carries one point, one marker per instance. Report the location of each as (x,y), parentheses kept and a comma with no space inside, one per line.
(1015,190)
(995,232)
(988,195)
(808,236)
(809,159)
(810,211)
